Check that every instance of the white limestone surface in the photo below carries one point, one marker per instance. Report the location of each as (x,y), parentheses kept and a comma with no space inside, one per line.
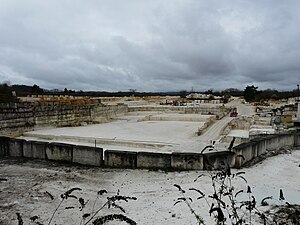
(239,133)
(257,129)
(27,183)
(181,117)
(168,132)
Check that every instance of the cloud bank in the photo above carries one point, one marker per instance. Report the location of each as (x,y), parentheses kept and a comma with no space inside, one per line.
(156,45)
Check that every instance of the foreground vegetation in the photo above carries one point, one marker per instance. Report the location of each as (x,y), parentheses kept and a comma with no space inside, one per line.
(87,215)
(231,206)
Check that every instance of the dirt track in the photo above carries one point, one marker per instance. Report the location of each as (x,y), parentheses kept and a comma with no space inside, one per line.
(214,131)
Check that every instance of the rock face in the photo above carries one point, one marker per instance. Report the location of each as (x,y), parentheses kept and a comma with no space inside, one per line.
(298,111)
(240,123)
(16,118)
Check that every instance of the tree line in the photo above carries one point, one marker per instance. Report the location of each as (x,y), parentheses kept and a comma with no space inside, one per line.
(250,93)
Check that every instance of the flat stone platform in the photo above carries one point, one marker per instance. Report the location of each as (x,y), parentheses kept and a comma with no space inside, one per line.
(133,132)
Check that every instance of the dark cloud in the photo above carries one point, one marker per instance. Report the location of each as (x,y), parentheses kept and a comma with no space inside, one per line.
(150,45)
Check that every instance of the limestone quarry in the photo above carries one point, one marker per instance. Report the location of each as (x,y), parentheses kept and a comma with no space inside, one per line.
(141,146)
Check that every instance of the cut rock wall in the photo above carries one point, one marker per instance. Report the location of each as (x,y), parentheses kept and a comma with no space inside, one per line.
(240,123)
(16,118)
(219,111)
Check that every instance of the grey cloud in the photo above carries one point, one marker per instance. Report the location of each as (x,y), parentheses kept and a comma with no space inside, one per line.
(150,45)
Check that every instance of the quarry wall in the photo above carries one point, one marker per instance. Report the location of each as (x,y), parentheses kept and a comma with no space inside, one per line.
(16,118)
(95,156)
(241,123)
(219,111)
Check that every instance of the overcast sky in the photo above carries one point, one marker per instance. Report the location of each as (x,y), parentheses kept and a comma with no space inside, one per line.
(150,45)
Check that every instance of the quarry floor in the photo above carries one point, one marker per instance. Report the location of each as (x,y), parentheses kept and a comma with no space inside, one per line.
(172,131)
(24,185)
(141,130)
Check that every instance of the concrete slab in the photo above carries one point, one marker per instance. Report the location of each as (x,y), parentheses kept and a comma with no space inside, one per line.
(86,155)
(120,159)
(59,151)
(186,161)
(148,160)
(27,149)
(39,150)
(4,146)
(16,147)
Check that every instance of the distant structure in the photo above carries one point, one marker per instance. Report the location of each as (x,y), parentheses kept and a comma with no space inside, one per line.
(204,98)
